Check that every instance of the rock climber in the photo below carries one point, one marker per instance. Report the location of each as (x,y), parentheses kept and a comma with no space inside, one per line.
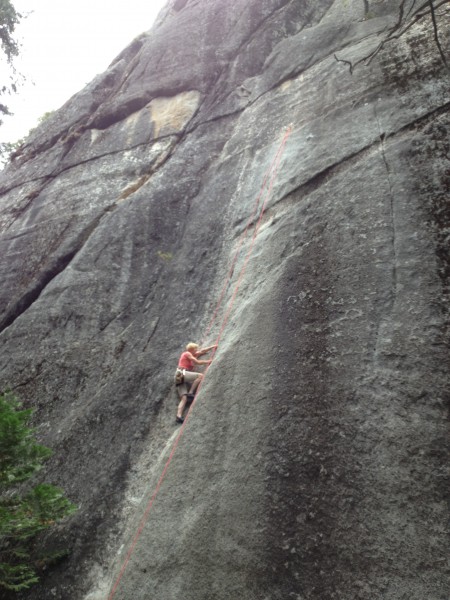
(186,379)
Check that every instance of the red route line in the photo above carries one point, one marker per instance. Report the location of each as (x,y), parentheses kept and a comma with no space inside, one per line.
(241,241)
(255,233)
(144,518)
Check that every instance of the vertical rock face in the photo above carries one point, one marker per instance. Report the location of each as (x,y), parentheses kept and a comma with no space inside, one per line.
(314,463)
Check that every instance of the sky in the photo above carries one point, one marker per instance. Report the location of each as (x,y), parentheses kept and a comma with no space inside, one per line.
(64,44)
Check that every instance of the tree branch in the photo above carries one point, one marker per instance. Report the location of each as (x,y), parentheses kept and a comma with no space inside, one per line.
(348,62)
(436,35)
(401,27)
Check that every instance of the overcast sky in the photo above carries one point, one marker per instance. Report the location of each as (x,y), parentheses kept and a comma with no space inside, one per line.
(65,43)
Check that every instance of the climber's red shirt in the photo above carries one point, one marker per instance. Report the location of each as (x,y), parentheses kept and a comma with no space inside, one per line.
(186,362)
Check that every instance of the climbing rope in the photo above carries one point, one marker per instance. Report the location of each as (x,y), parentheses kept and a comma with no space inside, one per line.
(270,175)
(276,164)
(270,169)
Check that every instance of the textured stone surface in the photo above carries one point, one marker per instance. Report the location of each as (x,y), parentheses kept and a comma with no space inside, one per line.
(314,464)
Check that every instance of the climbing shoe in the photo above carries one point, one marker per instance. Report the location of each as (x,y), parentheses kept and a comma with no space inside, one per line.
(190,397)
(179,420)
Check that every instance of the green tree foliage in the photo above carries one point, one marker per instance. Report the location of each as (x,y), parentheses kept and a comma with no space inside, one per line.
(9,19)
(25,510)
(6,149)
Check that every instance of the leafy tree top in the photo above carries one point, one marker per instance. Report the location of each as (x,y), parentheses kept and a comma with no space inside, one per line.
(24,510)
(9,18)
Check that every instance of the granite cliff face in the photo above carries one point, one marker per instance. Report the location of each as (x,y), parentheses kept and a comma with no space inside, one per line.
(314,463)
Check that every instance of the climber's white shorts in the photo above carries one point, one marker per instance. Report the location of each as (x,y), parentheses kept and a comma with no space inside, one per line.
(189,377)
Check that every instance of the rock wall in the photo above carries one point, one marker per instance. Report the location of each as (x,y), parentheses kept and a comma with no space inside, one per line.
(314,463)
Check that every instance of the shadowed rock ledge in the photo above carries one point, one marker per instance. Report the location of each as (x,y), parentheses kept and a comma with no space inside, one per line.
(314,464)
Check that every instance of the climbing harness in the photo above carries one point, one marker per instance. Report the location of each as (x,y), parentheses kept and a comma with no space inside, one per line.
(179,376)
(270,176)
